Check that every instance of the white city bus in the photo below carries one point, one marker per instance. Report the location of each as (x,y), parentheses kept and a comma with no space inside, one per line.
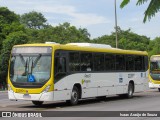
(53,72)
(154,74)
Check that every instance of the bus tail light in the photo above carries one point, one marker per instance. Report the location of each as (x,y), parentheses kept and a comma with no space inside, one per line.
(46,89)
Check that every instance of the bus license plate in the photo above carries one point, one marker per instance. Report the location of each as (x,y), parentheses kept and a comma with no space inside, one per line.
(20,91)
(27,96)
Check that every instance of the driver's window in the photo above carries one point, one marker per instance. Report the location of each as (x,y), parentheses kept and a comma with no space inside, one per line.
(60,68)
(60,65)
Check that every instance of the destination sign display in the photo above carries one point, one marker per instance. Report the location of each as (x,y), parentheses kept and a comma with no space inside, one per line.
(20,50)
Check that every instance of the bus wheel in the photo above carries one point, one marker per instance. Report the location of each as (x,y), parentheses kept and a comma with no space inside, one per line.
(74,96)
(130,91)
(37,103)
(159,89)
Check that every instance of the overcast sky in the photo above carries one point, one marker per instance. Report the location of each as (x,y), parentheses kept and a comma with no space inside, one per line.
(95,15)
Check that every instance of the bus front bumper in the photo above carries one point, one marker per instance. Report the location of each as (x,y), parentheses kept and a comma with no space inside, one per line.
(47,96)
(151,85)
(44,96)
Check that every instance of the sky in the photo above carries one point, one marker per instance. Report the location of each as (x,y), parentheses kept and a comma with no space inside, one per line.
(97,16)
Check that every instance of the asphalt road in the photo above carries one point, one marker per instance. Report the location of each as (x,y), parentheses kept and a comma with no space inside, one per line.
(144,101)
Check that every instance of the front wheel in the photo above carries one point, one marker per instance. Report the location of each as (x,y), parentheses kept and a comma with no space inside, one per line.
(37,103)
(74,96)
(159,89)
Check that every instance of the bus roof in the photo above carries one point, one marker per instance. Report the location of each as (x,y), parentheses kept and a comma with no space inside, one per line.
(86,47)
(155,55)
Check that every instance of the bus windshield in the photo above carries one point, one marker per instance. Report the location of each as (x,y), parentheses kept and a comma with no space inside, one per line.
(30,68)
(155,68)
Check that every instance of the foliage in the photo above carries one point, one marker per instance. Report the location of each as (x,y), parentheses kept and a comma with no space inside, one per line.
(152,9)
(64,33)
(126,40)
(154,46)
(12,39)
(7,18)
(32,27)
(33,20)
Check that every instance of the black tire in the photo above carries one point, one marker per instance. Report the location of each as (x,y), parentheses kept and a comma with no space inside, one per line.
(74,96)
(130,91)
(37,103)
(159,89)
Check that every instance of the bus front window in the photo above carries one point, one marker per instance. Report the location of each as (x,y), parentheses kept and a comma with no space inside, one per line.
(155,70)
(30,66)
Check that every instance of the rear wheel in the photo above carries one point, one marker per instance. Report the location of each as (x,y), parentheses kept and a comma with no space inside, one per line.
(74,96)
(159,89)
(37,103)
(130,91)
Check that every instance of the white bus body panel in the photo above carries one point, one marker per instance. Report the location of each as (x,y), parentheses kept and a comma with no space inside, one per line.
(92,85)
(101,84)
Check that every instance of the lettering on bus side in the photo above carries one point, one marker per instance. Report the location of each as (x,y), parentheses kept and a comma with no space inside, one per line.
(87,75)
(131,75)
(85,81)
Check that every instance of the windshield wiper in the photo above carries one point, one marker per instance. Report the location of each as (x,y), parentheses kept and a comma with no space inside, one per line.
(36,61)
(22,60)
(26,67)
(25,64)
(33,64)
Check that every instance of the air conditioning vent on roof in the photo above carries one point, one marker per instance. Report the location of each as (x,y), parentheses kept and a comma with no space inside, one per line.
(51,43)
(90,45)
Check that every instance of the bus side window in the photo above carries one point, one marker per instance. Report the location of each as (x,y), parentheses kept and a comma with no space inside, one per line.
(120,62)
(138,63)
(86,62)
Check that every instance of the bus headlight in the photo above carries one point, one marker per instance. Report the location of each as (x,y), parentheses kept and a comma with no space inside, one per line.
(46,89)
(10,88)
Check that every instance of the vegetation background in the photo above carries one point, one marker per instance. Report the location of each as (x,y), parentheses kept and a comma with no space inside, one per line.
(33,27)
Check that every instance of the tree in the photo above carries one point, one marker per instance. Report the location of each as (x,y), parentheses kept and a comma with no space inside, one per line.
(152,9)
(63,33)
(154,46)
(7,18)
(127,40)
(34,20)
(12,39)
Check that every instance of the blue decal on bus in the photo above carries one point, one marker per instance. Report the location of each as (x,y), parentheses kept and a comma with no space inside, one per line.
(31,78)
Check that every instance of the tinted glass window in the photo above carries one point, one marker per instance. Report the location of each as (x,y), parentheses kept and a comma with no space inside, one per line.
(109,62)
(98,62)
(86,62)
(120,62)
(139,63)
(130,62)
(74,61)
(60,64)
